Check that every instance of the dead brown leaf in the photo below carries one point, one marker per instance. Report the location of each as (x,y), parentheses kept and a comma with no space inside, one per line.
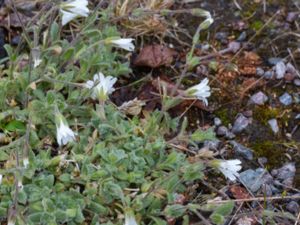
(239,192)
(155,56)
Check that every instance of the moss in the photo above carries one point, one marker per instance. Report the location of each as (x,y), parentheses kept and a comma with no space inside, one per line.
(271,150)
(265,113)
(225,115)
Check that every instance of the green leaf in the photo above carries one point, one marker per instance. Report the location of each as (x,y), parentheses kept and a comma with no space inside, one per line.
(175,211)
(15,125)
(217,218)
(193,171)
(225,209)
(3,156)
(200,135)
(54,32)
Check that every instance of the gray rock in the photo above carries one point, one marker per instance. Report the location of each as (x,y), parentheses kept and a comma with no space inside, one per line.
(280,69)
(230,135)
(291,69)
(286,99)
(267,189)
(297,82)
(291,16)
(274,60)
(212,145)
(274,125)
(262,160)
(234,46)
(222,131)
(286,171)
(240,124)
(297,117)
(220,36)
(241,150)
(217,121)
(260,71)
(259,98)
(242,36)
(269,75)
(293,207)
(252,179)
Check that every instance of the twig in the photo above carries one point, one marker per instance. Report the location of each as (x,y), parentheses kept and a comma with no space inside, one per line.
(253,199)
(205,221)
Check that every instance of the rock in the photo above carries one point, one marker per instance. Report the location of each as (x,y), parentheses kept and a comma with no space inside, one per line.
(280,69)
(248,113)
(286,171)
(234,46)
(260,71)
(269,75)
(230,135)
(240,124)
(286,99)
(291,69)
(293,207)
(267,190)
(212,145)
(297,117)
(259,98)
(217,121)
(274,125)
(251,179)
(297,82)
(291,16)
(288,182)
(274,60)
(242,37)
(289,77)
(222,131)
(241,150)
(262,160)
(220,36)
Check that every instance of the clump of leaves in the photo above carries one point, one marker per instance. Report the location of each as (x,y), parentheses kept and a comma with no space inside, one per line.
(115,163)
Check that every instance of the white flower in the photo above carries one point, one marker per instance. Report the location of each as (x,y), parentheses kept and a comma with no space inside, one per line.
(26,162)
(125,43)
(64,134)
(20,185)
(102,86)
(230,168)
(72,9)
(36,54)
(130,219)
(200,91)
(1,176)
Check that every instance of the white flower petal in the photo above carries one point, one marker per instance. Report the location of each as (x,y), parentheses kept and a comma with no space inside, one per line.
(72,9)
(230,168)
(64,134)
(125,43)
(26,162)
(101,85)
(130,220)
(200,91)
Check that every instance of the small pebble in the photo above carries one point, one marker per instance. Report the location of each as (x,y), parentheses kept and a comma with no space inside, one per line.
(297,82)
(269,75)
(289,77)
(291,69)
(242,36)
(267,190)
(259,71)
(274,60)
(280,69)
(262,160)
(259,98)
(241,150)
(286,171)
(240,124)
(222,131)
(274,125)
(217,121)
(234,46)
(212,145)
(286,99)
(230,135)
(251,179)
(293,207)
(291,17)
